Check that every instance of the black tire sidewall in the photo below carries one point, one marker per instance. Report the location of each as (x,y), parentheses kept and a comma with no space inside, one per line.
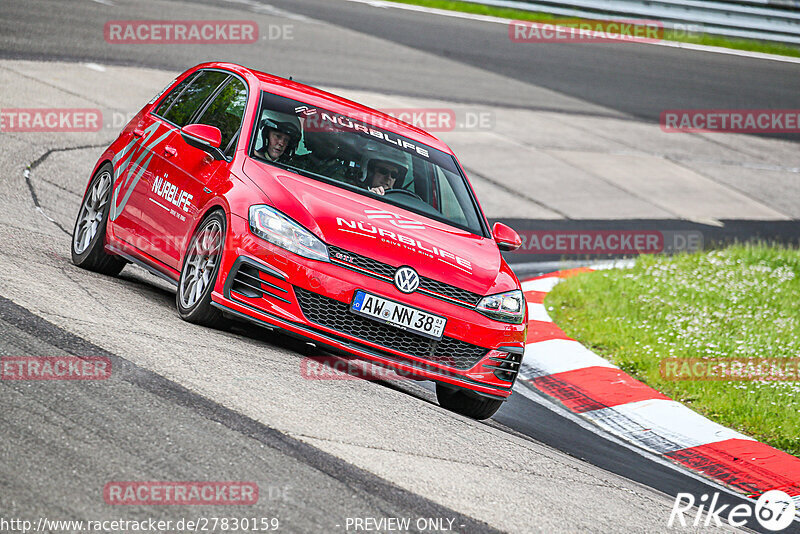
(100,235)
(203,304)
(466,403)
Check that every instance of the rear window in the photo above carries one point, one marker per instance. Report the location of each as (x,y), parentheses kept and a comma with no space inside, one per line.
(227,110)
(186,105)
(175,93)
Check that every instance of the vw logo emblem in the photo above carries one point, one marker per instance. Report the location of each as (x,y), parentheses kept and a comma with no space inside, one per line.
(406,279)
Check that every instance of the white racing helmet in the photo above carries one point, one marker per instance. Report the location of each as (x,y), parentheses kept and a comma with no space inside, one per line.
(284,123)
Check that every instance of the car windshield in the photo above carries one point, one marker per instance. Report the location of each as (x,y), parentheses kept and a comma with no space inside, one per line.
(356,153)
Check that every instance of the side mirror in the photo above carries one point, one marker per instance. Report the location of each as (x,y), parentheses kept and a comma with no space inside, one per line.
(204,137)
(505,237)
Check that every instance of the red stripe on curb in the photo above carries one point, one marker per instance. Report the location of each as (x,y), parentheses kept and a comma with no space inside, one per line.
(569,273)
(544,331)
(595,388)
(750,466)
(746,465)
(535,297)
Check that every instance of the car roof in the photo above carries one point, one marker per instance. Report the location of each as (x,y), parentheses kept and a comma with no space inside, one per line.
(331,102)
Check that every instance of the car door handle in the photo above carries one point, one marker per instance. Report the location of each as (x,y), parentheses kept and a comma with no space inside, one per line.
(138,132)
(170,151)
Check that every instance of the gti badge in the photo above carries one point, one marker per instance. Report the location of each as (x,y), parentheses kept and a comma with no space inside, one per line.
(406,279)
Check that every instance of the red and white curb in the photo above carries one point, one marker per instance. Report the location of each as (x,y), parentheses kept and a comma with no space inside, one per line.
(598,391)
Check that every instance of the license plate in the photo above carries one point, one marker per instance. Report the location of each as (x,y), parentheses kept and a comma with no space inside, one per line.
(399,315)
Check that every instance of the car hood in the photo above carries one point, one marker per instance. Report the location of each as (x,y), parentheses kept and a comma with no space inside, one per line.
(382,231)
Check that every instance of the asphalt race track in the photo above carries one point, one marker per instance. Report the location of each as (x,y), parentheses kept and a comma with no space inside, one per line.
(187,403)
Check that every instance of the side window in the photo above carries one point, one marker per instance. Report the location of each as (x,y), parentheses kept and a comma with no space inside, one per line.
(170,98)
(193,97)
(227,110)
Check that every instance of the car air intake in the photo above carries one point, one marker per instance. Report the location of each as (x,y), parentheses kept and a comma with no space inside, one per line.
(252,280)
(504,364)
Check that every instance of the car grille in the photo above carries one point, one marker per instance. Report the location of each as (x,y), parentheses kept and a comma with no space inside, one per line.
(336,315)
(386,272)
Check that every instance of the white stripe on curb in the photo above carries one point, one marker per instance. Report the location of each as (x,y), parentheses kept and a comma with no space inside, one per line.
(661,426)
(655,426)
(543,400)
(537,312)
(558,356)
(541,284)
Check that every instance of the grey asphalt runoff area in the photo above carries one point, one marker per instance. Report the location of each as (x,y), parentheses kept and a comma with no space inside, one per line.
(190,403)
(71,439)
(545,132)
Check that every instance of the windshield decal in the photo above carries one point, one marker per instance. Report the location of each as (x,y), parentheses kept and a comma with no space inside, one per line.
(314,121)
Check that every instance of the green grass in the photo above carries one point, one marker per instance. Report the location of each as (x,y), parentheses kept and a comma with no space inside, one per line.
(518,14)
(738,302)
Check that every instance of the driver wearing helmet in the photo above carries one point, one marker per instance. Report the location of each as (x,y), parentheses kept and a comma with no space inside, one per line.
(280,135)
(323,155)
(383,168)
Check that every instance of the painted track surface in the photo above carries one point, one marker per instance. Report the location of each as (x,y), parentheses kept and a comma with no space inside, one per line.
(359,423)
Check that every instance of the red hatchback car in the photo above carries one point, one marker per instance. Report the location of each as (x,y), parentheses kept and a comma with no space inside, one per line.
(303,212)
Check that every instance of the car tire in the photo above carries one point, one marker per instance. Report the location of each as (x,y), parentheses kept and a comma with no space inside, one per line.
(465,403)
(89,232)
(199,273)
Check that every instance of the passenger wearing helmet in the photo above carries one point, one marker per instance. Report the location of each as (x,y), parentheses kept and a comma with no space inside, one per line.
(384,167)
(280,135)
(322,158)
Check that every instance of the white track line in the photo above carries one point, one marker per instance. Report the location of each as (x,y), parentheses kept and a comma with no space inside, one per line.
(498,20)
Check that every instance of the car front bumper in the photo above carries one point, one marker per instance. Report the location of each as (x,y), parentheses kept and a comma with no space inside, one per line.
(310,299)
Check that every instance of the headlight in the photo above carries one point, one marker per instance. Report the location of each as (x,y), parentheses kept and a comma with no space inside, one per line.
(272,225)
(508,307)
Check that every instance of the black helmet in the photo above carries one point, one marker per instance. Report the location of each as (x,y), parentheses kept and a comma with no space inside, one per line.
(284,123)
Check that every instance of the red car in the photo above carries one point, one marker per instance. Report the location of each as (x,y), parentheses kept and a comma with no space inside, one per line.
(267,200)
